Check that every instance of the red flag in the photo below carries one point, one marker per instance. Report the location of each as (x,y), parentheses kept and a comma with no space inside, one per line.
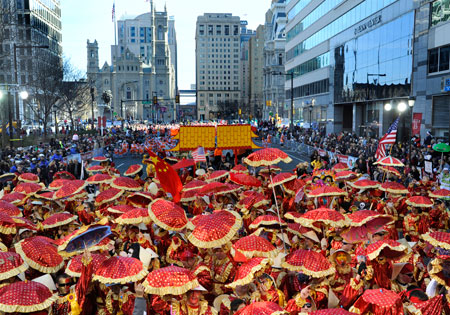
(167,176)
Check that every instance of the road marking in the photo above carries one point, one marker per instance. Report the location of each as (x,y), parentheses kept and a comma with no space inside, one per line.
(120,165)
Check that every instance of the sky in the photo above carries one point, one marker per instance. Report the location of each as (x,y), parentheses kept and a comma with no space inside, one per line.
(92,19)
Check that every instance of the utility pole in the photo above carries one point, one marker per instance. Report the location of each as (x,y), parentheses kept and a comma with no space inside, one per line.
(92,106)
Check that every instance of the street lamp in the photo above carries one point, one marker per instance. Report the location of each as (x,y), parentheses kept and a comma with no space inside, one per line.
(291,74)
(401,107)
(411,103)
(24,95)
(387,107)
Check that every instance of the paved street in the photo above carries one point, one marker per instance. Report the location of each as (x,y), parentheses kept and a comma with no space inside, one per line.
(123,163)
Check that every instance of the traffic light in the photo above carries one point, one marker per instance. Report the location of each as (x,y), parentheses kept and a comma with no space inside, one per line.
(155,100)
(268,103)
(177,99)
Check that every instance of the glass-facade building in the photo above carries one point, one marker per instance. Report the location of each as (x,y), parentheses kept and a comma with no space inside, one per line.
(349,59)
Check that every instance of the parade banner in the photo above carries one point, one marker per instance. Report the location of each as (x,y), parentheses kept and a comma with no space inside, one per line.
(235,137)
(416,122)
(191,137)
(322,152)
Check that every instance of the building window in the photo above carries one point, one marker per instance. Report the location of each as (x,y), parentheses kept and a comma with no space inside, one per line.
(227,29)
(160,33)
(132,31)
(235,30)
(210,29)
(218,29)
(439,59)
(440,12)
(201,29)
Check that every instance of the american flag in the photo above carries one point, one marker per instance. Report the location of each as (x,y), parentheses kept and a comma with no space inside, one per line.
(389,138)
(199,154)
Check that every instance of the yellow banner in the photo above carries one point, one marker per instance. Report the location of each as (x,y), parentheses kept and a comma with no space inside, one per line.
(235,137)
(192,137)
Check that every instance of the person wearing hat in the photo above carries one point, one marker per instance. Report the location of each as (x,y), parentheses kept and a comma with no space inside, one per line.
(191,261)
(222,269)
(224,303)
(267,291)
(415,223)
(192,303)
(402,276)
(341,261)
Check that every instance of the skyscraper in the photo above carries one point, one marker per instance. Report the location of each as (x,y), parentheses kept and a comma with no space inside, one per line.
(217,57)
(143,66)
(28,25)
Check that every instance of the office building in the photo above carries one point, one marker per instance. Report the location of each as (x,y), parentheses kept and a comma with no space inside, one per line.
(28,25)
(431,75)
(349,60)
(217,55)
(256,74)
(143,66)
(274,59)
(244,103)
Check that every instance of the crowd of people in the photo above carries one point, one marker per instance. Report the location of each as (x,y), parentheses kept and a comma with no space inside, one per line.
(222,237)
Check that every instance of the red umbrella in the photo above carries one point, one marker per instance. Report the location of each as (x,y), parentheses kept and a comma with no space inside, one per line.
(244,179)
(120,209)
(239,169)
(183,164)
(261,308)
(339,167)
(212,188)
(253,200)
(440,193)
(100,159)
(332,311)
(345,175)
(135,216)
(216,229)
(267,157)
(230,188)
(167,215)
(247,272)
(75,265)
(14,198)
(269,170)
(216,175)
(10,209)
(325,216)
(255,246)
(126,183)
(390,169)
(389,161)
(40,253)
(310,263)
(292,187)
(99,179)
(387,248)
(438,239)
(365,184)
(364,222)
(29,178)
(7,224)
(70,188)
(58,219)
(420,202)
(95,168)
(25,297)
(378,301)
(63,175)
(11,265)
(195,184)
(108,196)
(267,221)
(171,280)
(394,188)
(326,191)
(133,170)
(140,199)
(118,269)
(22,222)
(58,183)
(297,229)
(28,188)
(282,178)
(188,196)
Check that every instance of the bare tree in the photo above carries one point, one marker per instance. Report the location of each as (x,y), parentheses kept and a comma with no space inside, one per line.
(74,93)
(46,86)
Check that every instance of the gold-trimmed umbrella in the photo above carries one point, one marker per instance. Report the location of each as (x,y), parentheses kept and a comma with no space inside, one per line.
(248,271)
(126,183)
(216,229)
(134,217)
(28,178)
(267,157)
(167,215)
(25,297)
(11,264)
(133,170)
(108,196)
(58,219)
(310,263)
(171,280)
(118,269)
(40,253)
(70,188)
(217,175)
(255,246)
